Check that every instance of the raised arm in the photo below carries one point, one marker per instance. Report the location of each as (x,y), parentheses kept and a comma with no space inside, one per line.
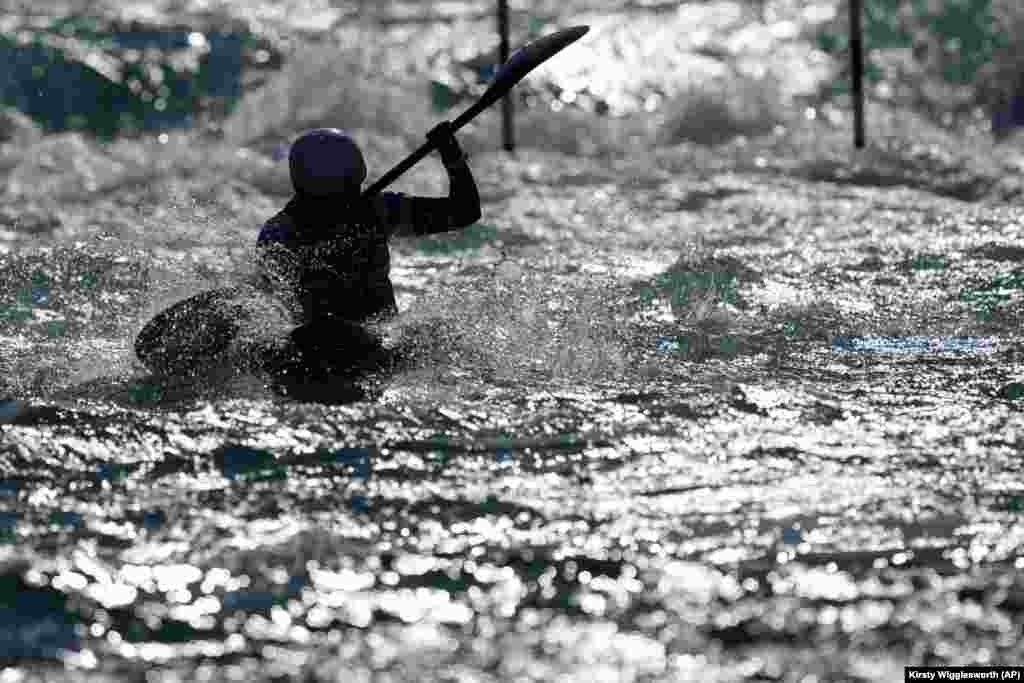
(431,215)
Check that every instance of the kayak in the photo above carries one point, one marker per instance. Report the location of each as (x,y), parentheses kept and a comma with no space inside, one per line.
(228,327)
(196,331)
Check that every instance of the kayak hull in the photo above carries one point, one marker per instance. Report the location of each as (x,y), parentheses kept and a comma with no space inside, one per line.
(197,330)
(213,329)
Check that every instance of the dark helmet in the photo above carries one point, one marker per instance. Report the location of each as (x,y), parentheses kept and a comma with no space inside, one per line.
(325,161)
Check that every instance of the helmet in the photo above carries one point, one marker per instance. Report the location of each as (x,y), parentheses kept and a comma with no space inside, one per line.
(325,161)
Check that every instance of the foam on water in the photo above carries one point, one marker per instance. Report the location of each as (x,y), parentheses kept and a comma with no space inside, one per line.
(916,344)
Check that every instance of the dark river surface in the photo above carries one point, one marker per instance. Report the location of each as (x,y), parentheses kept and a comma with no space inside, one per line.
(739,412)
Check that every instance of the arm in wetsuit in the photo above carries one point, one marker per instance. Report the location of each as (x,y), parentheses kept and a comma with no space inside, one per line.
(278,264)
(394,214)
(413,216)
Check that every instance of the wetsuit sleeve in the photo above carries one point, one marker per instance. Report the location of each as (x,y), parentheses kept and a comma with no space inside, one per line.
(276,260)
(407,216)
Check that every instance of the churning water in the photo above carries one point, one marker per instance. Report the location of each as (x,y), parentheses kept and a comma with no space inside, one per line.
(674,410)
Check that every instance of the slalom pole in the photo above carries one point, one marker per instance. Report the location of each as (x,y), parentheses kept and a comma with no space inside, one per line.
(857,71)
(507,122)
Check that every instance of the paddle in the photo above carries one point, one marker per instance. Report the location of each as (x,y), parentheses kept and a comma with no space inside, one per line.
(521,62)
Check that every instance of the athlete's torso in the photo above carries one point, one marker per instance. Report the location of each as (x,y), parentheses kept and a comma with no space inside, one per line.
(345,275)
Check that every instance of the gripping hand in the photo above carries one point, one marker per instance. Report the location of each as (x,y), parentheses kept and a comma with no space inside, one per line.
(443,138)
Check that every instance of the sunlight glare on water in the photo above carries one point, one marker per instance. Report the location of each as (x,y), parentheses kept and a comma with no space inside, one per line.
(693,401)
(916,344)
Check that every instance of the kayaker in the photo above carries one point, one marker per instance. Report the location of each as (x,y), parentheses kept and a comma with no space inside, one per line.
(327,251)
(326,255)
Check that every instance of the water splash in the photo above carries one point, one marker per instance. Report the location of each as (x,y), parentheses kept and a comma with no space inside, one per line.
(520,323)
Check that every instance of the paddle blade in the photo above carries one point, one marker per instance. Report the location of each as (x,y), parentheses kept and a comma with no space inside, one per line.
(521,62)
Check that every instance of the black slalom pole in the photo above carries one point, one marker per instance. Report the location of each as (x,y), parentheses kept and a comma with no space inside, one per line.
(857,71)
(507,131)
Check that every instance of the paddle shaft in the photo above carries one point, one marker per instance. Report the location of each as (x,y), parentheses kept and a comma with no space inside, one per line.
(428,147)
